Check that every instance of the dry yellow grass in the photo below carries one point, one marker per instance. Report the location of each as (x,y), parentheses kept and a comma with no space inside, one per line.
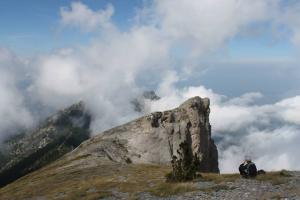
(54,181)
(219,178)
(61,180)
(275,178)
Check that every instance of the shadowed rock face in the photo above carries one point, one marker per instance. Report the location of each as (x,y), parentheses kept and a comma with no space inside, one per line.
(155,138)
(139,102)
(58,135)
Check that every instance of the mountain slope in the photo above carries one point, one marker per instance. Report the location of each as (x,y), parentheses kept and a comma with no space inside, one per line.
(130,162)
(58,135)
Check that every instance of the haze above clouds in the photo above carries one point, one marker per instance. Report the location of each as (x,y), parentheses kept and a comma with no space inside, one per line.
(167,43)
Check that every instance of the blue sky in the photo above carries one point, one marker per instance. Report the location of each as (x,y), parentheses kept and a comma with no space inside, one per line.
(260,47)
(31,27)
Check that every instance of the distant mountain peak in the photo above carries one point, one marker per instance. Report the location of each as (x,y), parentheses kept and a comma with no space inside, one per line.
(56,136)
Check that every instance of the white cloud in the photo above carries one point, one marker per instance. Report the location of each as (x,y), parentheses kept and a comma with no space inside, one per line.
(268,133)
(62,79)
(105,74)
(79,15)
(246,99)
(13,113)
(201,26)
(289,110)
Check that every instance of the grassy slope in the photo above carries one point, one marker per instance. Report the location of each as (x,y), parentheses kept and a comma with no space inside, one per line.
(62,180)
(88,183)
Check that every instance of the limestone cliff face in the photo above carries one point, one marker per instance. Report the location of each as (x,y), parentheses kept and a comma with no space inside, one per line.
(155,138)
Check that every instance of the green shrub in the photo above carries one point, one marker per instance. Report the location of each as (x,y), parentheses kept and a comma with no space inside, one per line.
(185,167)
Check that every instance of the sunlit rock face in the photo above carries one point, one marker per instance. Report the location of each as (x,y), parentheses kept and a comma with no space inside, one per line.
(156,137)
(56,136)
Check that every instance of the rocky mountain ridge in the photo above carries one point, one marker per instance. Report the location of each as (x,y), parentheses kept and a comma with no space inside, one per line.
(56,136)
(155,138)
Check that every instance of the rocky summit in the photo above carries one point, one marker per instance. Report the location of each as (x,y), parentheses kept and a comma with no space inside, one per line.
(56,136)
(155,138)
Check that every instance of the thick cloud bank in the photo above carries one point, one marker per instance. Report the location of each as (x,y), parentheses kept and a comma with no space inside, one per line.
(163,46)
(13,112)
(269,134)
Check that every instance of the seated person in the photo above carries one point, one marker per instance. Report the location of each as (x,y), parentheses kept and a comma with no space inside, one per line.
(248,169)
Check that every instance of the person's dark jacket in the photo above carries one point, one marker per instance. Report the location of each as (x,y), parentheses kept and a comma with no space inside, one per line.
(248,169)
